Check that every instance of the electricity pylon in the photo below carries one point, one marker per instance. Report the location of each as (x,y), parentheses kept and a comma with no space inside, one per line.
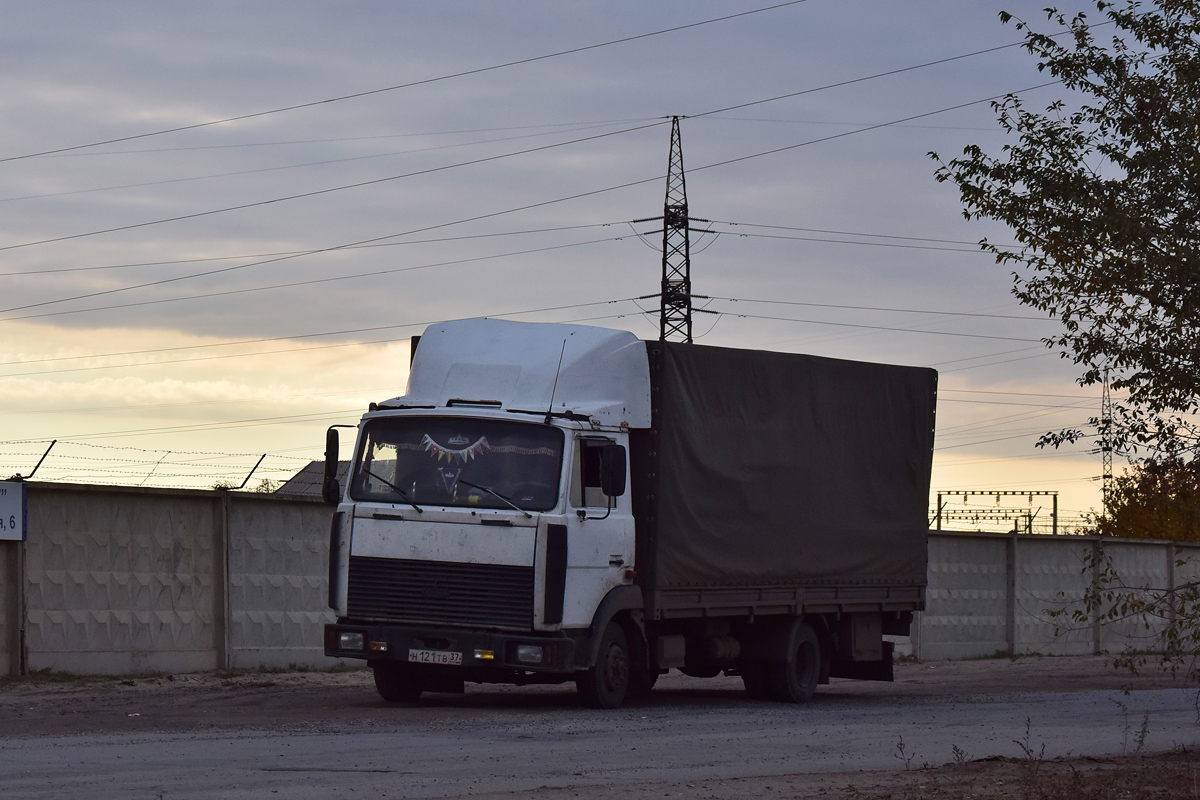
(675,319)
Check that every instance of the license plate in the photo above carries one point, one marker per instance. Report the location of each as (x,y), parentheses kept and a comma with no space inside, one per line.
(435,657)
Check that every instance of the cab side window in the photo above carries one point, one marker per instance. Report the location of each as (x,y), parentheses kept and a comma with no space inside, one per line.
(586,481)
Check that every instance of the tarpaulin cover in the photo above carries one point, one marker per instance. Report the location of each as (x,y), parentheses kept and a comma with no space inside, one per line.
(784,469)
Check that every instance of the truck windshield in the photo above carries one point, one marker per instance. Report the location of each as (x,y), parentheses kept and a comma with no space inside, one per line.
(432,460)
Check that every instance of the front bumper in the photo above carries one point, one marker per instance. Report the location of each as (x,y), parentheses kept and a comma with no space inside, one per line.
(485,655)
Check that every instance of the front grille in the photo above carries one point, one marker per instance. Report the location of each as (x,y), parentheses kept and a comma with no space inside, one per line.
(481,595)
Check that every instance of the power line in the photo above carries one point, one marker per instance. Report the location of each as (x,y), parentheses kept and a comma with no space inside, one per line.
(291,284)
(1010,403)
(844,134)
(408,85)
(288,338)
(281,168)
(841,233)
(1020,394)
(852,81)
(867,327)
(870,308)
(581,124)
(1073,456)
(327,190)
(154,406)
(312,251)
(241,423)
(994,363)
(483,216)
(984,441)
(976,358)
(974,429)
(531,150)
(845,124)
(846,241)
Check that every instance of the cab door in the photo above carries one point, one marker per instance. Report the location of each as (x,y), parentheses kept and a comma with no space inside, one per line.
(600,530)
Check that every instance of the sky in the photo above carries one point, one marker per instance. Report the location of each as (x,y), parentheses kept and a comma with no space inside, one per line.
(174,305)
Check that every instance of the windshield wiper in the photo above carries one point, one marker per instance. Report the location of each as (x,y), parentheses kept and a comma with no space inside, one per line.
(492,491)
(397,489)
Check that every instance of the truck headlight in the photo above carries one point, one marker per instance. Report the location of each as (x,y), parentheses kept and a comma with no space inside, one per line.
(351,640)
(530,653)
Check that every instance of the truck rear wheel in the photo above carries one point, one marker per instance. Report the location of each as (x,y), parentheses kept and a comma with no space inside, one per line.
(794,680)
(396,683)
(607,682)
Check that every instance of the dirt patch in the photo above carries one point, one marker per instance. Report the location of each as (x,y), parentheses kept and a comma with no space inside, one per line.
(1172,775)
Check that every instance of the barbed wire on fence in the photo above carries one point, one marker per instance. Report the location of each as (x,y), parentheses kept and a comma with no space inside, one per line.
(165,467)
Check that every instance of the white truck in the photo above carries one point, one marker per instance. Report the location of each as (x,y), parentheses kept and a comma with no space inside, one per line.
(552,503)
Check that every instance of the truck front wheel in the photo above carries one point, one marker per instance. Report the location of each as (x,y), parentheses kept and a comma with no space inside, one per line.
(606,683)
(396,683)
(795,679)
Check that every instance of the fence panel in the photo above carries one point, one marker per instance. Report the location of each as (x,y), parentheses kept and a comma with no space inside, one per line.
(965,599)
(1137,566)
(121,580)
(1050,577)
(278,580)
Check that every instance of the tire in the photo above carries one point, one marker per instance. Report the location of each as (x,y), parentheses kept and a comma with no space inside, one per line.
(606,684)
(396,683)
(795,680)
(755,679)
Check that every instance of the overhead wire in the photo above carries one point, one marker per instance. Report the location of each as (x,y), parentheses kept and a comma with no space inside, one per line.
(528,207)
(276,420)
(328,189)
(312,281)
(420,324)
(190,404)
(410,84)
(313,251)
(889,309)
(326,162)
(1019,394)
(995,363)
(842,233)
(977,358)
(872,327)
(580,124)
(777,236)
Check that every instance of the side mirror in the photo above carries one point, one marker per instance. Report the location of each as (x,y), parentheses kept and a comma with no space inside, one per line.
(612,470)
(331,491)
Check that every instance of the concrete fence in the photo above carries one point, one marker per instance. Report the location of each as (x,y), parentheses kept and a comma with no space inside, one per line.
(991,593)
(121,580)
(116,580)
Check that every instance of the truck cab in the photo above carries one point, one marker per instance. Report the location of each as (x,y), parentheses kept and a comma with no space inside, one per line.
(485,519)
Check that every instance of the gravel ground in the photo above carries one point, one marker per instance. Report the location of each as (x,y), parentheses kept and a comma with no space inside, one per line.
(63,705)
(77,729)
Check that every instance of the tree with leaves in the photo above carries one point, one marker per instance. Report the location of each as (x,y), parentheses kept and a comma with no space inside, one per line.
(1155,499)
(1102,192)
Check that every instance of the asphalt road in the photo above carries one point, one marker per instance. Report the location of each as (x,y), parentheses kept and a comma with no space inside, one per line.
(494,741)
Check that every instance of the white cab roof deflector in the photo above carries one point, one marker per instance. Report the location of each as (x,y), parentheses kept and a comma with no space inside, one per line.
(604,373)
